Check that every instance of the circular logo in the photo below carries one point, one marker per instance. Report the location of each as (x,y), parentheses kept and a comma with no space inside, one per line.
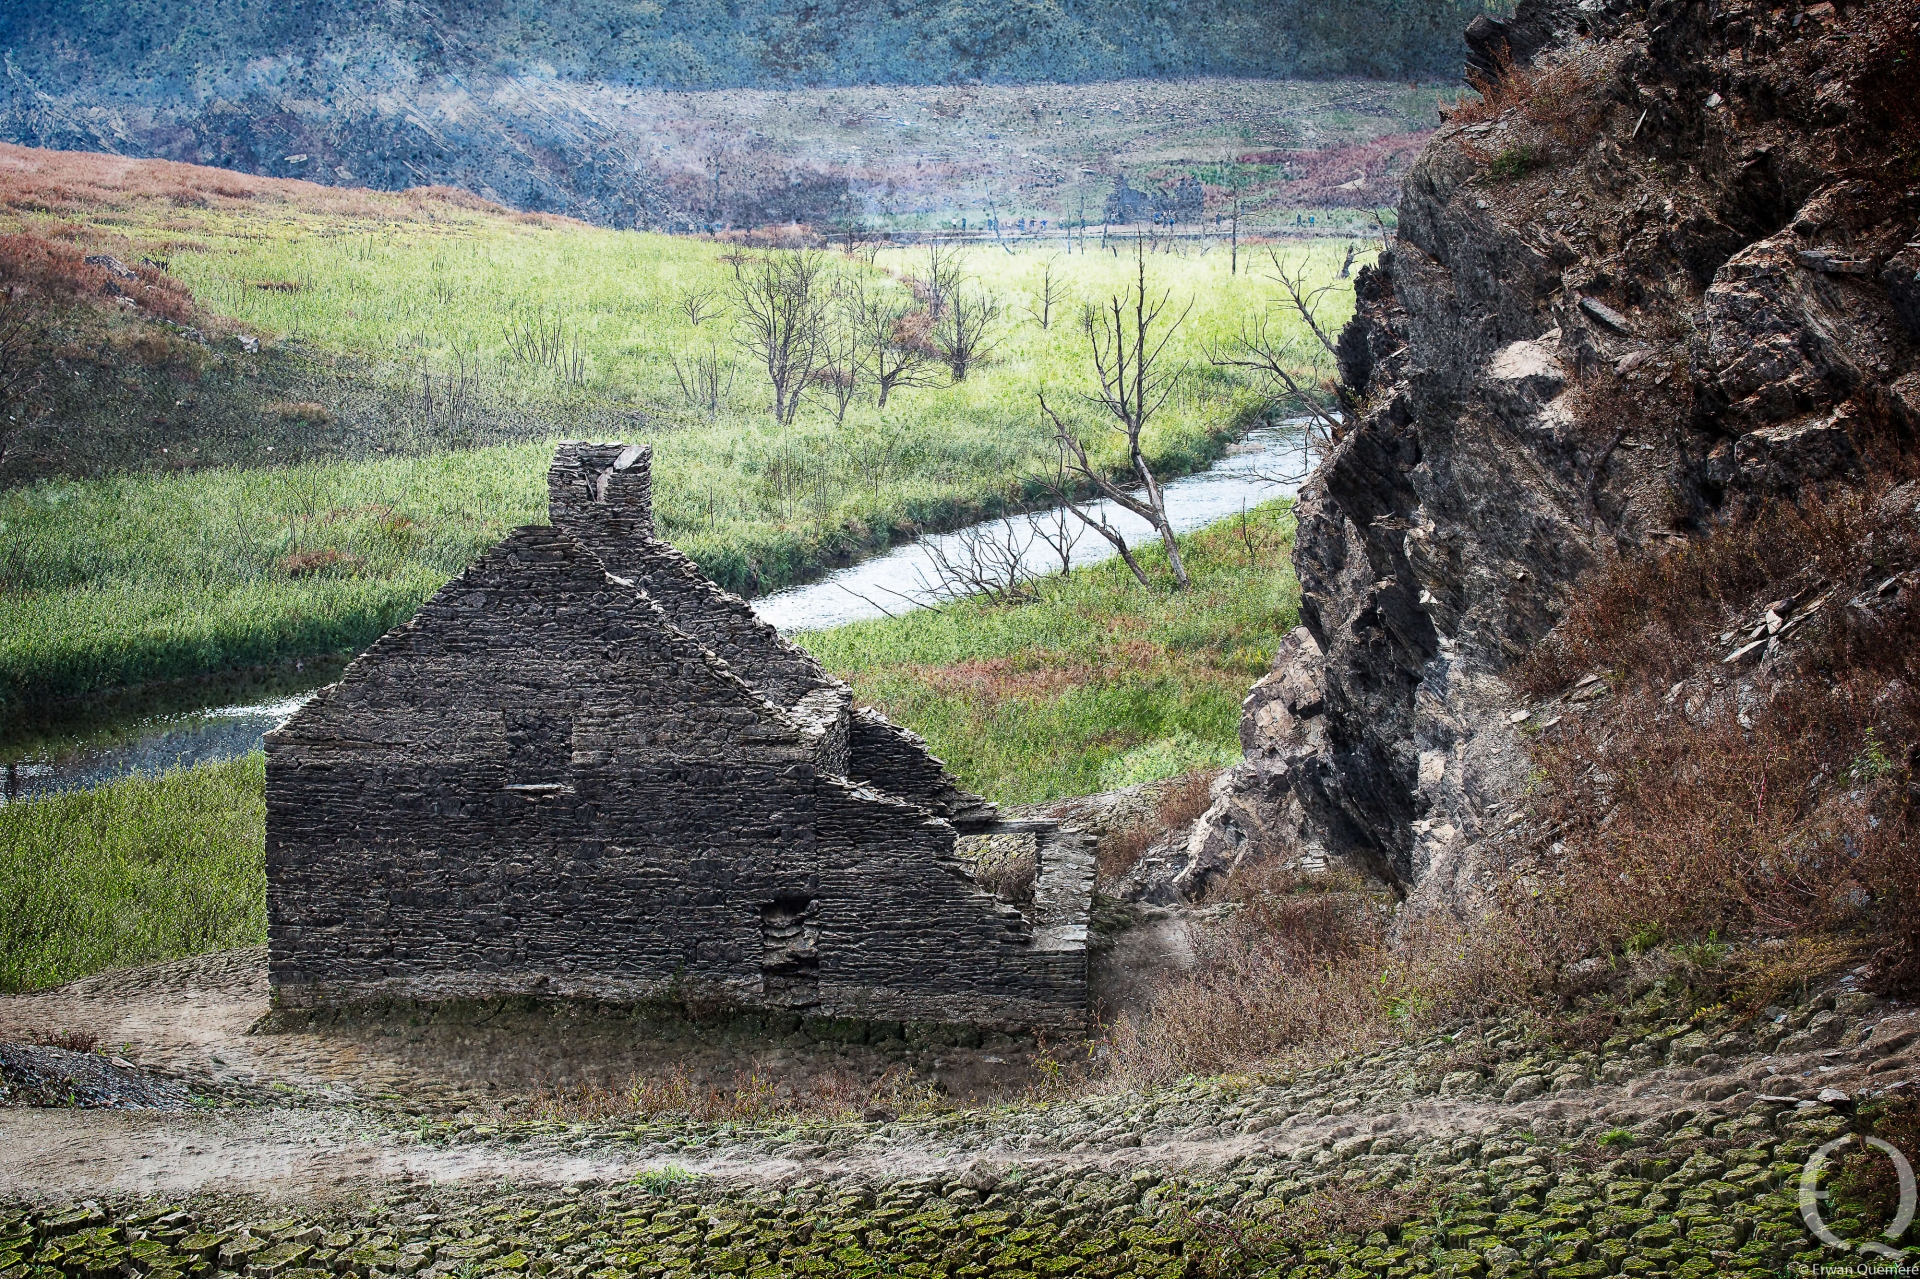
(1811,1196)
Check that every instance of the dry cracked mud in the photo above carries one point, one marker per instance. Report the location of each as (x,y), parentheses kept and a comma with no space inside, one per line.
(382,1146)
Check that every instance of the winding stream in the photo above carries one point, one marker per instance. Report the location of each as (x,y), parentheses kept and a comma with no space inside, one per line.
(71,756)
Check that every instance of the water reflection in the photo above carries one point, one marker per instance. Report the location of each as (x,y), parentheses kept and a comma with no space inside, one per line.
(149,745)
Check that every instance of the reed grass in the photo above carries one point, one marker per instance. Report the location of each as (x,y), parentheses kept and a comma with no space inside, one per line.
(146,869)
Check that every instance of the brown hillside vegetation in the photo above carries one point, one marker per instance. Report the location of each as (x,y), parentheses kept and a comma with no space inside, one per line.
(1712,791)
(74,182)
(108,362)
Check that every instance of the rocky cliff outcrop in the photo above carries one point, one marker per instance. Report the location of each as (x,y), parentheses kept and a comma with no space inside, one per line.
(1664,272)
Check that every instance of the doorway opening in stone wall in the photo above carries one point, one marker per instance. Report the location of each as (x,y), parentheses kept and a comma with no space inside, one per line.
(790,951)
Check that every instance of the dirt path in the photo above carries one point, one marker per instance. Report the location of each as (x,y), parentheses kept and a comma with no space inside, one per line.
(205,1019)
(384,1100)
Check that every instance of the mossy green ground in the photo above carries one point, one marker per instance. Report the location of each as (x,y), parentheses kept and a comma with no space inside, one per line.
(143,870)
(1097,684)
(106,582)
(1076,1187)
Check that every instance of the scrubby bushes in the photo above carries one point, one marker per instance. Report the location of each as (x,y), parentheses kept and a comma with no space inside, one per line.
(1731,829)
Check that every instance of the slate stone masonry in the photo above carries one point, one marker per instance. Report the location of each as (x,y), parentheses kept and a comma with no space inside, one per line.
(583,770)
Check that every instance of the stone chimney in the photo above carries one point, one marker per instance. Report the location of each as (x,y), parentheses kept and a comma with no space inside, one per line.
(604,489)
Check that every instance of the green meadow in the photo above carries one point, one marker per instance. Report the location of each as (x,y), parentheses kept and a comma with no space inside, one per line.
(139,577)
(1095,684)
(1098,683)
(146,869)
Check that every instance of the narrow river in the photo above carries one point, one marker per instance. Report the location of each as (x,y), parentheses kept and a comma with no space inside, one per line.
(60,758)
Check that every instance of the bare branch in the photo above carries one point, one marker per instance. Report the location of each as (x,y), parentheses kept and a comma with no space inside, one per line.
(705,379)
(1263,347)
(987,559)
(782,302)
(1304,299)
(1070,461)
(699,304)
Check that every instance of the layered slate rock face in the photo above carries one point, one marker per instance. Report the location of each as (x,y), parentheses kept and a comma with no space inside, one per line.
(1668,276)
(584,770)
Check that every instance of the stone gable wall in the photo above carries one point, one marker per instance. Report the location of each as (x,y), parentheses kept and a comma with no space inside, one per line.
(542,786)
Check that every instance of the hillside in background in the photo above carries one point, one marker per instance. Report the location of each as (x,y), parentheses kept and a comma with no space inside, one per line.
(632,114)
(248,419)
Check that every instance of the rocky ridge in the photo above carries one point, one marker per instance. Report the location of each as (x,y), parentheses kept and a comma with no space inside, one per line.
(1663,276)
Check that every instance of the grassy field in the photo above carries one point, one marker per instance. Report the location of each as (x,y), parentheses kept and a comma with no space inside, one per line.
(125,578)
(1099,684)
(143,870)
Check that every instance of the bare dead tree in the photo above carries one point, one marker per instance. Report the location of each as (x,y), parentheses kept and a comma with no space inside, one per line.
(782,300)
(1050,292)
(1380,225)
(1136,378)
(1060,487)
(941,276)
(847,351)
(1233,262)
(699,304)
(964,332)
(705,379)
(1305,299)
(987,559)
(899,334)
(1294,356)
(964,313)
(1060,530)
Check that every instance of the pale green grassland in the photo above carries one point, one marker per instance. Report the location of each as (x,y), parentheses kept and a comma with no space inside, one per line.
(116,581)
(146,869)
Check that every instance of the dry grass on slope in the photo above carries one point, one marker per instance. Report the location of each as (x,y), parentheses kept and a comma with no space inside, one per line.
(1733,829)
(1719,797)
(88,183)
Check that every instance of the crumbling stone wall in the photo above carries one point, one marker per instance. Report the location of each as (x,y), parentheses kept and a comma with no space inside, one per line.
(549,783)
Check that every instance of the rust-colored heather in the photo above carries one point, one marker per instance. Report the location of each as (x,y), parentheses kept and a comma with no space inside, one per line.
(306,563)
(1776,807)
(85,182)
(1651,615)
(1556,106)
(36,269)
(1297,964)
(1000,679)
(1772,812)
(1180,802)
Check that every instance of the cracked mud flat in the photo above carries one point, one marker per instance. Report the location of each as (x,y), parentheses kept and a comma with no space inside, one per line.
(378,1142)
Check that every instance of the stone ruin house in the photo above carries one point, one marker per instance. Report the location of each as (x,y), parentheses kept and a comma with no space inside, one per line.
(584,770)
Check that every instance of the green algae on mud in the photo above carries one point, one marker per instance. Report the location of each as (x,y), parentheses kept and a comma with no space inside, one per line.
(1317,1173)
